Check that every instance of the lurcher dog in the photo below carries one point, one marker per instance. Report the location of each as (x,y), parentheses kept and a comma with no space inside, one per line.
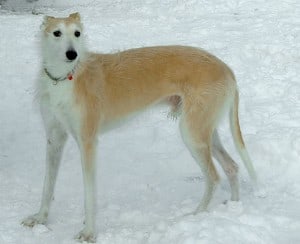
(84,94)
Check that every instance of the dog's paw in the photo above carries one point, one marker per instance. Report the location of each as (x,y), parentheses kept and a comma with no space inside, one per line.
(34,220)
(85,236)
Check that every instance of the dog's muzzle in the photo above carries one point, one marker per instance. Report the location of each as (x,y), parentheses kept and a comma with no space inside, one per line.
(71,55)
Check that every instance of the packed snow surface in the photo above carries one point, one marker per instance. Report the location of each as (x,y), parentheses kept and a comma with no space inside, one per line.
(147,181)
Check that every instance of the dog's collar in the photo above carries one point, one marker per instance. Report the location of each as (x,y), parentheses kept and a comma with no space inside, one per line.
(58,79)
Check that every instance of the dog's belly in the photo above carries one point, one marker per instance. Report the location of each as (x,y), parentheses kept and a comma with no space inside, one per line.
(108,125)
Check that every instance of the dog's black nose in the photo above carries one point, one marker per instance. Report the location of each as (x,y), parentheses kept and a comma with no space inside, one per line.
(71,55)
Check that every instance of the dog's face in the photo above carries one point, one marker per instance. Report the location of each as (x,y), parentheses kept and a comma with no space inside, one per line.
(62,40)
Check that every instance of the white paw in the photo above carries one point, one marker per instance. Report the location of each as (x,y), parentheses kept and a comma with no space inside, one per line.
(202,208)
(34,220)
(86,235)
(235,207)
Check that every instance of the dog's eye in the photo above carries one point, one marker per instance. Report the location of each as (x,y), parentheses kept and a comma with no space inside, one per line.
(77,33)
(57,33)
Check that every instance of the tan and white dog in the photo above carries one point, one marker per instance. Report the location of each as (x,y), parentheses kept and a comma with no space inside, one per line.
(84,94)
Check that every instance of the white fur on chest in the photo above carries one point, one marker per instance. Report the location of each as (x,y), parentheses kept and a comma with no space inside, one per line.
(58,100)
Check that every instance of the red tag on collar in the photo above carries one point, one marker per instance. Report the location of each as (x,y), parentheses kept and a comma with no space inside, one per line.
(70,77)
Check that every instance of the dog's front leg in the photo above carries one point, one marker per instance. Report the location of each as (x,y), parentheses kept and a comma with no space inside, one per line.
(87,149)
(56,138)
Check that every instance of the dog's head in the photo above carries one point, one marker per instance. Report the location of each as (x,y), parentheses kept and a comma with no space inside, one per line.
(62,40)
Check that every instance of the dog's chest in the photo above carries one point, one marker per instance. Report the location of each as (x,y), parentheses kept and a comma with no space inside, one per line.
(60,96)
(59,100)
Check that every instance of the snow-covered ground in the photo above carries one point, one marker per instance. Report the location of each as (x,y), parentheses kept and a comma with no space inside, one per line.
(147,180)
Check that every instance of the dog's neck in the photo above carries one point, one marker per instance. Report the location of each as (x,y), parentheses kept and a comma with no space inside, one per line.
(58,73)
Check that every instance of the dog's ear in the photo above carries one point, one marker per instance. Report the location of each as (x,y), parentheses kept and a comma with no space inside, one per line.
(75,16)
(47,18)
(45,21)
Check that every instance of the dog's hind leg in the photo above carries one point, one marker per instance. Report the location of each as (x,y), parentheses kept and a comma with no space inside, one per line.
(229,166)
(198,141)
(56,138)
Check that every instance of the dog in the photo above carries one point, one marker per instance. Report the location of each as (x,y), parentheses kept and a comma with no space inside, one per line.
(85,94)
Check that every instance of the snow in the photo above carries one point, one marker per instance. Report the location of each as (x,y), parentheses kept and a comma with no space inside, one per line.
(147,181)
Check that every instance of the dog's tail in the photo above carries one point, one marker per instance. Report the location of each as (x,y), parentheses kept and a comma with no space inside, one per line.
(238,138)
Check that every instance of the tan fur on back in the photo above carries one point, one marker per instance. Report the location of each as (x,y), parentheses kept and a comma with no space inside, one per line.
(109,87)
